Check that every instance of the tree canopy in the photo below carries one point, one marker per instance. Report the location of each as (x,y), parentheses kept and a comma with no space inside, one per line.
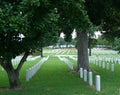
(105,13)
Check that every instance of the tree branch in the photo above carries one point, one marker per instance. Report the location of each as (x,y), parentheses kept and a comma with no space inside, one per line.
(22,61)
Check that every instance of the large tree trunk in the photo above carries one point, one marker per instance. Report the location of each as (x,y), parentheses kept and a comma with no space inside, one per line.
(89,45)
(82,47)
(13,74)
(14,80)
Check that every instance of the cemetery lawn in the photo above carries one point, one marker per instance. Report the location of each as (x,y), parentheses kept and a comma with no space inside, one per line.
(55,78)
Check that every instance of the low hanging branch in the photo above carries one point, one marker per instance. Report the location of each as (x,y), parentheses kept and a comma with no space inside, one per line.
(22,61)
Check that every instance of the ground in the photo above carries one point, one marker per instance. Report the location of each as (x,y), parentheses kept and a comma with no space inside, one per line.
(55,77)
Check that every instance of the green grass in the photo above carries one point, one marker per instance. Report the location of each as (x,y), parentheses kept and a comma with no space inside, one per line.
(55,78)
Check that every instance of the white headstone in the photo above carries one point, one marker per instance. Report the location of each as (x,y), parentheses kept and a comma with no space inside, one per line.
(85,75)
(107,66)
(112,67)
(27,75)
(81,72)
(98,88)
(90,79)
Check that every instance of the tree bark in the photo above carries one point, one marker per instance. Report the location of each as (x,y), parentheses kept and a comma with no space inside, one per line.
(14,80)
(13,75)
(22,61)
(90,51)
(82,47)
(89,45)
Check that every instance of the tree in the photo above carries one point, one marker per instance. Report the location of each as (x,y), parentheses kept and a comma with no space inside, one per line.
(74,16)
(111,25)
(12,26)
(61,41)
(74,42)
(91,44)
(22,31)
(102,41)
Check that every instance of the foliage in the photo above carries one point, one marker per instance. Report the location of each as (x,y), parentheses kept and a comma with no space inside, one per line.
(71,18)
(61,41)
(92,42)
(12,26)
(111,25)
(116,45)
(26,21)
(42,21)
(107,13)
(102,41)
(96,10)
(74,42)
(24,27)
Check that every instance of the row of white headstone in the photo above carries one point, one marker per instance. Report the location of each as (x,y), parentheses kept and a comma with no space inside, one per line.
(62,53)
(32,71)
(16,60)
(31,58)
(73,58)
(58,52)
(104,65)
(102,51)
(106,59)
(100,63)
(70,64)
(101,58)
(84,74)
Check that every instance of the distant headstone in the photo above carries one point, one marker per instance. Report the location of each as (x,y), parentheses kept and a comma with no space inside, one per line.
(107,66)
(112,67)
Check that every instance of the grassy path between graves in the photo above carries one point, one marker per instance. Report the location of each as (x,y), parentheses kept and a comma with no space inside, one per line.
(54,78)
